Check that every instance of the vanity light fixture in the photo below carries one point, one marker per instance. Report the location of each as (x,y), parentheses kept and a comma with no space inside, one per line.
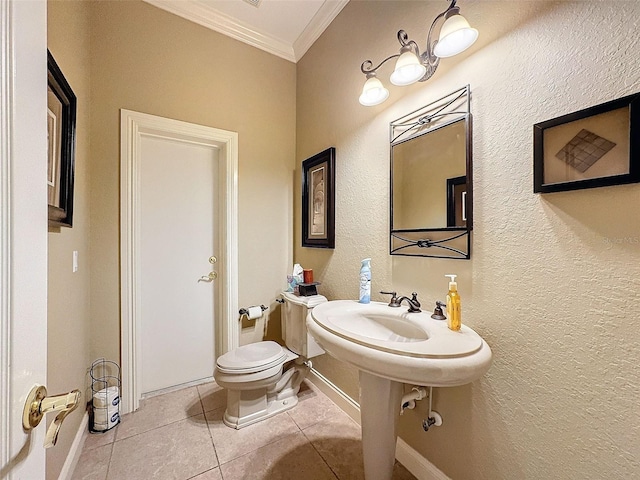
(455,36)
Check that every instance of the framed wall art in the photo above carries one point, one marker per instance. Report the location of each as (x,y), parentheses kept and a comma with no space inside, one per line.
(318,200)
(594,147)
(61,130)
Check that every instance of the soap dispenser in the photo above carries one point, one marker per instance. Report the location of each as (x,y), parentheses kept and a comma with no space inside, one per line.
(454,320)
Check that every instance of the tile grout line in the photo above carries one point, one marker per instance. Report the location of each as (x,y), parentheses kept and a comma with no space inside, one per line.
(320,455)
(213,444)
(257,449)
(203,413)
(334,473)
(167,424)
(155,428)
(202,473)
(110,458)
(293,420)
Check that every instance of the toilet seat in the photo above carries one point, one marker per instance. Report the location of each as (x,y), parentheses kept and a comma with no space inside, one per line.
(252,358)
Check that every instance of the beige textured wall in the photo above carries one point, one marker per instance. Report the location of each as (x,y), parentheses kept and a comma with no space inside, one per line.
(554,280)
(147,60)
(68,293)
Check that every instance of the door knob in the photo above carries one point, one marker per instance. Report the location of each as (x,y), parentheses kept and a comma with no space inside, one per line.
(38,404)
(208,278)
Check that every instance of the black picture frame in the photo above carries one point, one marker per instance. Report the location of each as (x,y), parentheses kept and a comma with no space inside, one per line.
(318,200)
(61,128)
(595,147)
(456,201)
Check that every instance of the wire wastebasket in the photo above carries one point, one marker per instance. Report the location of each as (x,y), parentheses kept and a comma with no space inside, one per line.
(105,395)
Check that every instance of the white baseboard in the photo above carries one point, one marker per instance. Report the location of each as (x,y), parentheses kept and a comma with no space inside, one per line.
(419,466)
(337,396)
(174,388)
(76,449)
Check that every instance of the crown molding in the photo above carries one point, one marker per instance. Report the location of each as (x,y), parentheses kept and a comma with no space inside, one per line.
(318,24)
(208,17)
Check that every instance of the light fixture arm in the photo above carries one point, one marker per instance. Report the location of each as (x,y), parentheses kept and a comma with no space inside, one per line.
(367,64)
(415,66)
(405,43)
(428,59)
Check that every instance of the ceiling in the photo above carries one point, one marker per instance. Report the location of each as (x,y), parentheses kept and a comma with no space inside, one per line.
(286,28)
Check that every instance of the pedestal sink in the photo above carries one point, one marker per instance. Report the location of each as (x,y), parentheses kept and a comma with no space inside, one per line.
(390,347)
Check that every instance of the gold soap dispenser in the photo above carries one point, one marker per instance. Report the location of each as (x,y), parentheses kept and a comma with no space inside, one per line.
(454,316)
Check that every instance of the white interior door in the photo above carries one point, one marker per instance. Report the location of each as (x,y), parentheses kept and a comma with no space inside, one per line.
(23,231)
(188,186)
(178,215)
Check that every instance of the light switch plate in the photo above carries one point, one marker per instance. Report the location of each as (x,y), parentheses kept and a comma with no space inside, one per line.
(75,261)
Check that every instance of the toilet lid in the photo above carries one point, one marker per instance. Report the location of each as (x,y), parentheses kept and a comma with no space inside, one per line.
(251,358)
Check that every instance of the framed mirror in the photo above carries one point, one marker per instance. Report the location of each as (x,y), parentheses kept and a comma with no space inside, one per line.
(431,184)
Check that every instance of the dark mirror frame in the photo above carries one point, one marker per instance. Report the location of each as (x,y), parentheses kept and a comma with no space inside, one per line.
(62,215)
(449,242)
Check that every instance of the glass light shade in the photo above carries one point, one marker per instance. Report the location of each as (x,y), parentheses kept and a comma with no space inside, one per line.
(408,70)
(455,37)
(373,92)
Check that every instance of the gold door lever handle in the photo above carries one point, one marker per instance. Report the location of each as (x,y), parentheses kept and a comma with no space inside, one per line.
(38,404)
(208,278)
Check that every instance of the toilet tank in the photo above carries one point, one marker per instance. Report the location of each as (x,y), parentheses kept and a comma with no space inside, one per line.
(294,324)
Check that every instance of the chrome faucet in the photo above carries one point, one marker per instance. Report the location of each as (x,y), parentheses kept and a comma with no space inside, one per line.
(414,304)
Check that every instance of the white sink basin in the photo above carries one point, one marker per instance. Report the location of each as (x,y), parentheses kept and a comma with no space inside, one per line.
(397,345)
(390,347)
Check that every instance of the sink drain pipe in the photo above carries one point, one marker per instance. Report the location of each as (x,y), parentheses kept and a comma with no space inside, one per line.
(409,401)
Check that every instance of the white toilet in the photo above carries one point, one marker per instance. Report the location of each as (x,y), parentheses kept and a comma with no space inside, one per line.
(253,374)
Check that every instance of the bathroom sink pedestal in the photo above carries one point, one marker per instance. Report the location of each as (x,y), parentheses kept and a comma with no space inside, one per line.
(391,347)
(379,410)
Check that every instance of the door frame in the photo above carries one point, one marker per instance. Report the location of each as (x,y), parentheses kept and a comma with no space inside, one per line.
(133,126)
(5,226)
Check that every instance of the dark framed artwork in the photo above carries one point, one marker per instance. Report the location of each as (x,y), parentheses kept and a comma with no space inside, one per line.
(456,201)
(318,200)
(594,147)
(61,130)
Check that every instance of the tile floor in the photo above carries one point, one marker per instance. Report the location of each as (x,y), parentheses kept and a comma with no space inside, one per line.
(180,436)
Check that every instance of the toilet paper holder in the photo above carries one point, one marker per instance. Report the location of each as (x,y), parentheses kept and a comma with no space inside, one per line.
(244,312)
